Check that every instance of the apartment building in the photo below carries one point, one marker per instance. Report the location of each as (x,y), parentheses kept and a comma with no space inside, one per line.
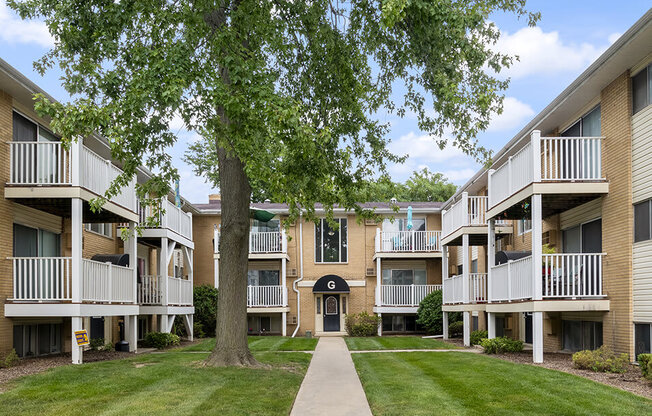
(308,276)
(562,235)
(65,267)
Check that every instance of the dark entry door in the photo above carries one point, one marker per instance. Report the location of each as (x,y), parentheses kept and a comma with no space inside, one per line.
(97,327)
(332,313)
(528,328)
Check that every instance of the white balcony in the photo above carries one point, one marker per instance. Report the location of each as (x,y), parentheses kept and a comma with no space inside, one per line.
(48,164)
(179,291)
(262,243)
(403,295)
(49,279)
(563,276)
(170,218)
(454,289)
(266,296)
(469,211)
(398,243)
(548,165)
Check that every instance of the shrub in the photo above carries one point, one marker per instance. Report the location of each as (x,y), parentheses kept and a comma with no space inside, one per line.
(160,340)
(602,360)
(429,314)
(198,330)
(362,324)
(645,362)
(455,329)
(11,359)
(97,344)
(500,345)
(477,336)
(205,302)
(107,347)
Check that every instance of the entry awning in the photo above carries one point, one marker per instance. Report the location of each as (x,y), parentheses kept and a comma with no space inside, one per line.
(331,283)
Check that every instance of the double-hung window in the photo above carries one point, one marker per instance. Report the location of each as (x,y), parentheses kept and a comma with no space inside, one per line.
(105,229)
(642,221)
(642,89)
(404,277)
(524,226)
(331,244)
(263,278)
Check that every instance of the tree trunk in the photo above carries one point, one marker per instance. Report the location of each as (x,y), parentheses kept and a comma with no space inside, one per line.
(231,348)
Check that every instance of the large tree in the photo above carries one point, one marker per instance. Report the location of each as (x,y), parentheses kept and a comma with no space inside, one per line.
(288,93)
(423,185)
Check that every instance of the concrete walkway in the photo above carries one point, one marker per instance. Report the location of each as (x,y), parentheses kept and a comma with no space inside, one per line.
(473,351)
(331,386)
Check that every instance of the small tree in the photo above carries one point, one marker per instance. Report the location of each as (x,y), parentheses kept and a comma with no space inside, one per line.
(429,314)
(205,302)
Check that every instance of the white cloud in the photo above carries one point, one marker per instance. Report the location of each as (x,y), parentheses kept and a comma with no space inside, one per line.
(514,113)
(459,176)
(424,149)
(545,52)
(614,37)
(15,30)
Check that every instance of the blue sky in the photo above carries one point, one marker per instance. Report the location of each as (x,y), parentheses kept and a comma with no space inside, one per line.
(570,35)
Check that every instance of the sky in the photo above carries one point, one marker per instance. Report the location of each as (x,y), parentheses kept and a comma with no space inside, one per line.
(569,37)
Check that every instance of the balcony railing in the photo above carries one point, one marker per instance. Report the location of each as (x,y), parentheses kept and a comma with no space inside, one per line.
(404,295)
(179,291)
(407,241)
(106,282)
(266,296)
(48,163)
(150,290)
(454,289)
(267,242)
(567,275)
(173,218)
(551,159)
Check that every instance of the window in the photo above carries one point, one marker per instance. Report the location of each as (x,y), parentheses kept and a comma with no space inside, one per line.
(330,243)
(33,242)
(38,339)
(587,126)
(404,277)
(318,305)
(400,323)
(39,164)
(583,238)
(642,214)
(105,229)
(265,226)
(142,327)
(344,305)
(642,339)
(642,89)
(263,278)
(524,226)
(474,266)
(400,224)
(581,335)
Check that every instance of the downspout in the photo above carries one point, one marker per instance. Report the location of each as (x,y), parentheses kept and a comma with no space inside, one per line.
(294,285)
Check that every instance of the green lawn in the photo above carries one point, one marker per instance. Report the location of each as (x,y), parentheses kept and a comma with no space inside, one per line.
(396,343)
(266,343)
(168,383)
(456,383)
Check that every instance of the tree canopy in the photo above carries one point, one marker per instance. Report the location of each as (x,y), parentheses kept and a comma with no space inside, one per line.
(423,185)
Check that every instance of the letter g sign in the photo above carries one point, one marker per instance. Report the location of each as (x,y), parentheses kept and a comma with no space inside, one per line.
(331,285)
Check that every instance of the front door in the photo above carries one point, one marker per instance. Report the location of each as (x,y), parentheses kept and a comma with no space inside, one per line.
(332,313)
(528,328)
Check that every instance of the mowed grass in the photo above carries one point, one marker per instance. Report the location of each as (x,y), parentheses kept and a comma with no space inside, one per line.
(396,343)
(168,383)
(457,383)
(266,343)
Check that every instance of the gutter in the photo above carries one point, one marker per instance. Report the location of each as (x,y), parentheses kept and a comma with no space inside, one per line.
(294,284)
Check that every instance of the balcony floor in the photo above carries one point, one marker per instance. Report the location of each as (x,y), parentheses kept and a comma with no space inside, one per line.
(477,235)
(408,255)
(551,305)
(60,309)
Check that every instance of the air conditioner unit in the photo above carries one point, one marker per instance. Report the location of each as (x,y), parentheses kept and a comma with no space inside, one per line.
(292,272)
(369,221)
(371,271)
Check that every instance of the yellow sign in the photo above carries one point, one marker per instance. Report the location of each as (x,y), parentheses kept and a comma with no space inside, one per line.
(82,337)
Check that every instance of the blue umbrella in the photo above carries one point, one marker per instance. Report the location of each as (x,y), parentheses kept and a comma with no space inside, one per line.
(409,218)
(177,194)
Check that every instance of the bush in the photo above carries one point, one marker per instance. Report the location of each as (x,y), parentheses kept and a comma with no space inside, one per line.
(602,360)
(645,362)
(160,340)
(10,360)
(97,344)
(477,336)
(205,302)
(429,314)
(362,324)
(107,347)
(198,330)
(500,345)
(455,329)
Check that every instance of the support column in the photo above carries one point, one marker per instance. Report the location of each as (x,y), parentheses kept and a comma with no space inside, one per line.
(163,270)
(444,263)
(380,325)
(467,328)
(163,323)
(537,337)
(76,229)
(188,323)
(491,255)
(131,331)
(77,351)
(284,283)
(131,248)
(379,281)
(284,323)
(491,325)
(445,325)
(465,268)
(537,228)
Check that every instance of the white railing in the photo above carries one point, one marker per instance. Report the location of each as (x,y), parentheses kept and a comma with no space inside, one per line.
(261,242)
(547,159)
(150,290)
(42,278)
(97,174)
(571,158)
(174,218)
(39,163)
(469,210)
(408,241)
(265,296)
(572,275)
(454,289)
(106,282)
(512,280)
(405,295)
(179,291)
